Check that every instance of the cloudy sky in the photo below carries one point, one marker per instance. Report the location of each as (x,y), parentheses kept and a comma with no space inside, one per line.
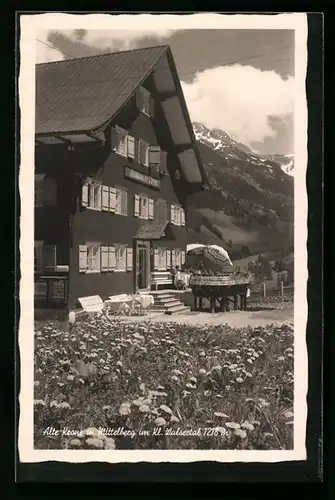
(241,81)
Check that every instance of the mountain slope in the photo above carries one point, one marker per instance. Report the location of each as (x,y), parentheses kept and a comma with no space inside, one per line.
(250,205)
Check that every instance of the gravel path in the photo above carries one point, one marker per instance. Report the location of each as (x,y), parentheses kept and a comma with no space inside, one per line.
(236,319)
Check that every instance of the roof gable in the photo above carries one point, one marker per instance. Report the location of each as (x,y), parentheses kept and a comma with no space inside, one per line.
(81,94)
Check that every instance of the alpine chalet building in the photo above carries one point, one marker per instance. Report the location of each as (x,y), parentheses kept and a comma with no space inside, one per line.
(115,162)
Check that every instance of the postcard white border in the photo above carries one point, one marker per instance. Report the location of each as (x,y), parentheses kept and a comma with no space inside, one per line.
(30,26)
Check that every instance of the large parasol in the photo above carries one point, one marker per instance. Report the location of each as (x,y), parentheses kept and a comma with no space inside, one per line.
(208,257)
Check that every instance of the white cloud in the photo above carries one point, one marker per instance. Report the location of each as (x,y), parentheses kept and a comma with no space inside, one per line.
(116,39)
(240,100)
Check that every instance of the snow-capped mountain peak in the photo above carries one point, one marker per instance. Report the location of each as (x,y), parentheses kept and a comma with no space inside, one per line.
(232,150)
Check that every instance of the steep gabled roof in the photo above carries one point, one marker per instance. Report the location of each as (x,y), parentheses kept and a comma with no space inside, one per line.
(81,94)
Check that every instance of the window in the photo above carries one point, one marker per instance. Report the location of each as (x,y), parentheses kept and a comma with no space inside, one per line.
(121,201)
(143,101)
(120,141)
(161,210)
(142,152)
(178,257)
(45,191)
(121,257)
(40,290)
(160,259)
(93,257)
(58,290)
(91,195)
(144,207)
(177,216)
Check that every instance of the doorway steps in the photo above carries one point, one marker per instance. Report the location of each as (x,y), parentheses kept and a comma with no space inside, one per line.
(166,302)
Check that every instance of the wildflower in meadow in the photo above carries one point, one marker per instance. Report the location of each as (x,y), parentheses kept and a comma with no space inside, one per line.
(247,425)
(75,443)
(144,408)
(160,421)
(232,425)
(240,433)
(239,380)
(110,444)
(220,414)
(174,419)
(39,402)
(125,409)
(166,409)
(94,443)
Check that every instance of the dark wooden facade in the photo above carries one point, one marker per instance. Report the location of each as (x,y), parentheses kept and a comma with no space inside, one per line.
(68,224)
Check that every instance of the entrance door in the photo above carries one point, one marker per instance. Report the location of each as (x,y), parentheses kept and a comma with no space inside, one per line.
(143,265)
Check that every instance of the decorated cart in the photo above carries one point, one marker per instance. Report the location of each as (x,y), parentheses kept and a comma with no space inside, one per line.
(222,291)
(215,278)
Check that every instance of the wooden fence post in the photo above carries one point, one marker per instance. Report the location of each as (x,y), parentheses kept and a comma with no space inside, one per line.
(264,289)
(282,288)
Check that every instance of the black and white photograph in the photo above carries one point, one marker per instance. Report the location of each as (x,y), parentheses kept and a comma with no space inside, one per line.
(163,237)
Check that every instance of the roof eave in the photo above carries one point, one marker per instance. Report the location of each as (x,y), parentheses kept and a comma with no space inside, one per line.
(186,115)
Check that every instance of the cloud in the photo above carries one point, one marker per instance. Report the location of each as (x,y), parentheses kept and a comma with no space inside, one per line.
(244,101)
(241,100)
(52,45)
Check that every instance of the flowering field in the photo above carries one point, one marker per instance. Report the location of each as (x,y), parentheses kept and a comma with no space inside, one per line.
(149,385)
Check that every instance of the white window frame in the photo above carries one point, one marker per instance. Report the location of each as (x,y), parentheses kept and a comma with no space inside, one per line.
(143,161)
(144,202)
(93,257)
(94,192)
(121,147)
(143,100)
(120,258)
(121,206)
(177,215)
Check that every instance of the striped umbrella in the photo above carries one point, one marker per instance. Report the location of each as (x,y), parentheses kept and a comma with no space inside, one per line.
(209,258)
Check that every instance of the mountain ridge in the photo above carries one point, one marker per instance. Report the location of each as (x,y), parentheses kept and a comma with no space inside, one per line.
(249,207)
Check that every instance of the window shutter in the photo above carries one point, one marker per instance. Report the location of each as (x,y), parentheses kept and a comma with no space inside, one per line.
(131,146)
(49,257)
(98,197)
(84,195)
(177,215)
(183,256)
(151,208)
(136,205)
(105,198)
(97,260)
(163,161)
(104,258)
(82,258)
(112,199)
(129,259)
(156,259)
(154,155)
(50,191)
(182,217)
(172,212)
(122,258)
(173,258)
(168,259)
(124,202)
(111,259)
(152,107)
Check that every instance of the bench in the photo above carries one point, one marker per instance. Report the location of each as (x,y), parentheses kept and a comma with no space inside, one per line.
(94,306)
(160,278)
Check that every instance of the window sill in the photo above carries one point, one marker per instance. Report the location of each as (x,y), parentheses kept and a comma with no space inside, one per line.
(120,271)
(93,208)
(92,272)
(146,113)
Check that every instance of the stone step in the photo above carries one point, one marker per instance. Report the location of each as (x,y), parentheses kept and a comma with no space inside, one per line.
(179,308)
(168,302)
(162,296)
